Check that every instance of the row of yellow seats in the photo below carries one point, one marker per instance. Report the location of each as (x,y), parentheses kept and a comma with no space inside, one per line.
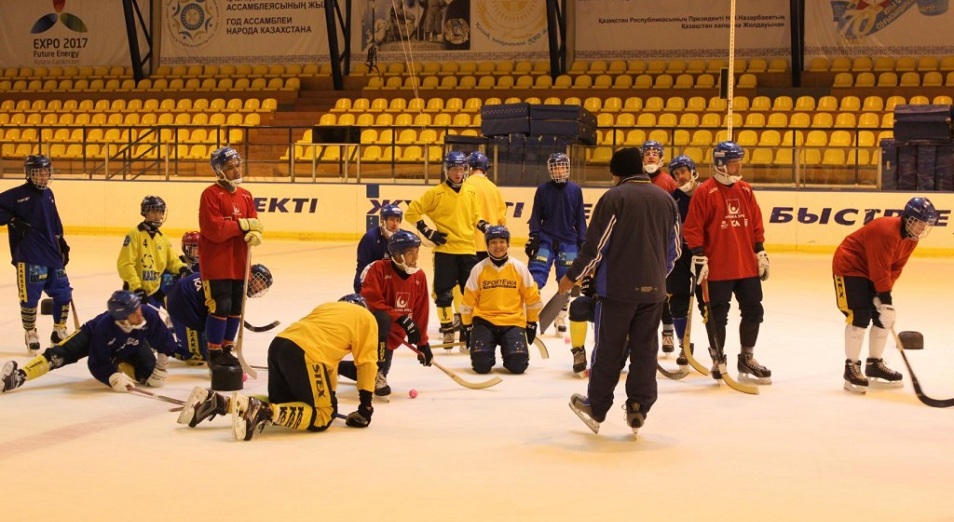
(741,65)
(757,120)
(75,151)
(249,119)
(890,79)
(140,105)
(832,158)
(881,64)
(564,81)
(369,153)
(391,137)
(150,85)
(385,119)
(122,135)
(744,137)
(69,71)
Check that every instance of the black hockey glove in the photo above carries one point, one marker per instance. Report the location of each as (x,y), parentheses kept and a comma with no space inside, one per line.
(362,416)
(425,356)
(434,236)
(413,334)
(482,226)
(64,251)
(586,286)
(532,246)
(531,332)
(142,295)
(184,271)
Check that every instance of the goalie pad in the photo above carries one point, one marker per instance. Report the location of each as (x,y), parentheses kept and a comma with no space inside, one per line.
(912,340)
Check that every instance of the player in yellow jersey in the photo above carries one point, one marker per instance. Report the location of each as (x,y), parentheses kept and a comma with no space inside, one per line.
(147,262)
(501,307)
(303,374)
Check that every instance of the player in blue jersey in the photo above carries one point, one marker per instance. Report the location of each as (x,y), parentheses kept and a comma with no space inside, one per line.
(374,244)
(185,301)
(118,342)
(37,248)
(557,226)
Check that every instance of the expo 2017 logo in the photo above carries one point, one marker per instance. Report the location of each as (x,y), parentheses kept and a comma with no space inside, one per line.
(192,23)
(47,21)
(856,19)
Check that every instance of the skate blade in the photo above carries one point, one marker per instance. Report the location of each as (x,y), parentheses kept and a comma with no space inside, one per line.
(585,374)
(854,388)
(382,398)
(748,377)
(590,423)
(636,433)
(881,383)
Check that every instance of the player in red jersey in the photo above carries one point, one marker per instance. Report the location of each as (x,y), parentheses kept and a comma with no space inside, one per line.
(725,233)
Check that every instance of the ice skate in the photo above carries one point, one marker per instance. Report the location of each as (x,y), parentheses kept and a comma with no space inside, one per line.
(203,404)
(668,343)
(223,357)
(11,377)
(381,388)
(579,361)
(682,360)
(447,330)
(881,374)
(58,335)
(560,322)
(715,371)
(32,341)
(249,414)
(854,381)
(634,417)
(751,370)
(581,407)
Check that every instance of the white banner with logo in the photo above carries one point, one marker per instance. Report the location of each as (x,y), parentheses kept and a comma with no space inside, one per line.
(459,30)
(885,28)
(243,31)
(63,33)
(680,29)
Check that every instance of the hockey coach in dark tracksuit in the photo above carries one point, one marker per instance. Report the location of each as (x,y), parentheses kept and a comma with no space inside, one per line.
(631,245)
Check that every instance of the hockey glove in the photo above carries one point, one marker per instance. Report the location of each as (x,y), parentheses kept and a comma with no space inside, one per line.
(158,377)
(413,334)
(586,286)
(886,313)
(184,271)
(362,416)
(532,246)
(700,267)
(251,225)
(531,332)
(142,295)
(425,356)
(434,236)
(482,226)
(120,382)
(763,265)
(253,238)
(465,331)
(64,251)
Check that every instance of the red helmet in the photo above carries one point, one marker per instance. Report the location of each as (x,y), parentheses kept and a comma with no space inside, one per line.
(190,245)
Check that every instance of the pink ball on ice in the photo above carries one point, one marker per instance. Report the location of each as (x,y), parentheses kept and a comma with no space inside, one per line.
(412,393)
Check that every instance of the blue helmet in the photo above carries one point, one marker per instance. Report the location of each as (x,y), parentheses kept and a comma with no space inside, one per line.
(38,170)
(497,232)
(652,145)
(454,158)
(722,154)
(122,304)
(220,158)
(389,211)
(683,161)
(558,166)
(918,218)
(150,204)
(401,241)
(260,281)
(355,299)
(478,161)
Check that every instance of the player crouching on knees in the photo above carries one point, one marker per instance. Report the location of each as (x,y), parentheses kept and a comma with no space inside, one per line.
(302,375)
(118,342)
(501,307)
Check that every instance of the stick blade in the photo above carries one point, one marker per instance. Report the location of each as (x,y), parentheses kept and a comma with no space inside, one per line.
(552,309)
(911,340)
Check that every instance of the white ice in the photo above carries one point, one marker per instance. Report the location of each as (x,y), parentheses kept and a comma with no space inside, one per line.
(71,449)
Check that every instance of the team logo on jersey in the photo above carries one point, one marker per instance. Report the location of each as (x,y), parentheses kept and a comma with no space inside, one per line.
(856,19)
(402,301)
(733,206)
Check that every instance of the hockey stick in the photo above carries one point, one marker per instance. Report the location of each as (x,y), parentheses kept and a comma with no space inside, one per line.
(146,393)
(457,378)
(552,309)
(448,345)
(544,353)
(934,403)
(258,329)
(675,375)
(76,321)
(687,336)
(241,333)
(735,385)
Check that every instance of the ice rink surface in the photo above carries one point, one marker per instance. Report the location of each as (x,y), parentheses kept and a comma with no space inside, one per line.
(71,449)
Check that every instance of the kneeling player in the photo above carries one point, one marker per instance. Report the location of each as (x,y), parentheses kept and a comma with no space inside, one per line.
(501,307)
(119,345)
(302,375)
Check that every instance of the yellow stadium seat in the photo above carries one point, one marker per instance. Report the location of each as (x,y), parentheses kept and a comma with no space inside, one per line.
(643,81)
(761,156)
(688,120)
(696,154)
(822,120)
(659,135)
(636,66)
(868,120)
(755,120)
(910,79)
(684,81)
(675,67)
(840,138)
(625,119)
(777,120)
(932,79)
(675,104)
(663,81)
(646,120)
(633,104)
(845,120)
(843,80)
(656,67)
(467,83)
(696,104)
(919,100)
(760,103)
(667,119)
(769,138)
(740,103)
(892,101)
(818,64)
(866,139)
(601,156)
(653,104)
(850,104)
(834,157)
(635,138)
(701,138)
(942,99)
(800,120)
(623,81)
(747,138)
(747,81)
(710,120)
(603,81)
(363,120)
(583,81)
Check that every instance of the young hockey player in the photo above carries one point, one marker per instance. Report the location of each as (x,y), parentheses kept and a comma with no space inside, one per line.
(302,375)
(190,250)
(118,342)
(493,210)
(632,243)
(864,269)
(147,262)
(38,249)
(455,212)
(557,226)
(725,233)
(396,288)
(501,307)
(679,282)
(374,244)
(653,156)
(229,226)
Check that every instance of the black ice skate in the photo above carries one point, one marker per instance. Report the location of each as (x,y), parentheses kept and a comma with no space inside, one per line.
(579,361)
(751,370)
(58,335)
(249,414)
(203,404)
(854,381)
(581,407)
(717,361)
(634,417)
(11,377)
(668,343)
(682,360)
(875,369)
(447,330)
